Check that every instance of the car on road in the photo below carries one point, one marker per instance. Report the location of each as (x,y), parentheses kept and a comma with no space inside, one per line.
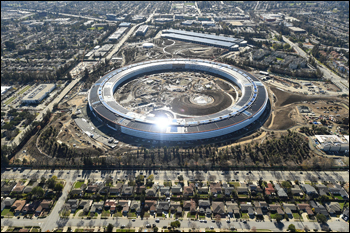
(228,221)
(148,225)
(211,227)
(122,226)
(157,220)
(153,225)
(212,220)
(133,220)
(205,221)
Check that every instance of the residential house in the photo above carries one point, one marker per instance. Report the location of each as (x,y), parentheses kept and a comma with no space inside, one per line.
(296,191)
(215,188)
(228,191)
(273,207)
(288,212)
(258,212)
(18,188)
(319,208)
(203,190)
(232,208)
(111,205)
(309,190)
(140,188)
(45,205)
(245,207)
(269,190)
(333,208)
(29,188)
(93,188)
(165,191)
(116,190)
(292,207)
(190,206)
(204,207)
(6,189)
(104,190)
(76,191)
(30,207)
(322,189)
(18,205)
(73,204)
(124,204)
(8,202)
(176,190)
(151,192)
(188,191)
(280,211)
(96,207)
(150,205)
(174,205)
(251,212)
(135,206)
(242,190)
(280,192)
(218,207)
(127,190)
(85,205)
(163,206)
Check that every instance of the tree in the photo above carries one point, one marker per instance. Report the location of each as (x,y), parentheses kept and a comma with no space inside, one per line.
(279,217)
(109,228)
(51,182)
(306,228)
(150,177)
(321,218)
(291,228)
(38,191)
(58,187)
(180,177)
(155,229)
(175,224)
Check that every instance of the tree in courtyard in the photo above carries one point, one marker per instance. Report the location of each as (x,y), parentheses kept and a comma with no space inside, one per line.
(58,187)
(155,229)
(175,224)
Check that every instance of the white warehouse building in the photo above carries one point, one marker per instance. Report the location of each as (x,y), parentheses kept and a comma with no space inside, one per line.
(39,93)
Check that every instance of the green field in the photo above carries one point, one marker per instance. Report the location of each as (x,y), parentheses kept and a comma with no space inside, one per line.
(189,3)
(297,216)
(280,59)
(78,184)
(99,28)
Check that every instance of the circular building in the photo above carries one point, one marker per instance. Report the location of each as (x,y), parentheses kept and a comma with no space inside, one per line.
(163,124)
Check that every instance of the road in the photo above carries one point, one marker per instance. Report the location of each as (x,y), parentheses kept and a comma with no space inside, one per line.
(48,107)
(53,220)
(199,11)
(185,224)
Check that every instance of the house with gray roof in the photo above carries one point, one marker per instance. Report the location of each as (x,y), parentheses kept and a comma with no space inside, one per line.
(176,190)
(203,190)
(125,204)
(135,206)
(322,189)
(151,192)
(163,206)
(127,190)
(73,204)
(85,205)
(333,208)
(228,191)
(296,191)
(309,190)
(96,207)
(190,206)
(165,191)
(292,207)
(242,190)
(29,188)
(116,190)
(280,191)
(245,207)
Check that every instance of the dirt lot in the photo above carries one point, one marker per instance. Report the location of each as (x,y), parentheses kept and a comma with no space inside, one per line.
(286,115)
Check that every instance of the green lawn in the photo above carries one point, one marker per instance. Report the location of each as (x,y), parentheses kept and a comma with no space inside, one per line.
(190,216)
(132,215)
(6,211)
(280,59)
(341,204)
(79,230)
(78,184)
(125,230)
(189,3)
(339,197)
(236,184)
(297,216)
(118,214)
(99,28)
(245,215)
